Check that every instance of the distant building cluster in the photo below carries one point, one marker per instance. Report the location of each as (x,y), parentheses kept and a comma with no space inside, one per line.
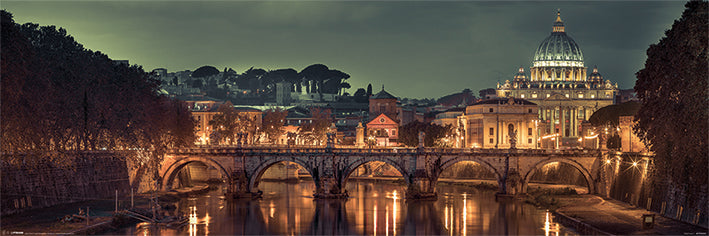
(550,108)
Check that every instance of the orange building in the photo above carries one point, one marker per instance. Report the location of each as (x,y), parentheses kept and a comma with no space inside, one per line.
(383,131)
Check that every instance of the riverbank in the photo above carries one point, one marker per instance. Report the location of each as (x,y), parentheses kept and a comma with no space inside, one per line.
(619,218)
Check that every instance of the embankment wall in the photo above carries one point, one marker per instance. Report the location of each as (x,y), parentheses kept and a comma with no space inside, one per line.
(90,176)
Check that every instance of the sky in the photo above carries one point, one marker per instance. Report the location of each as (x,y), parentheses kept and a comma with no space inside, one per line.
(416,49)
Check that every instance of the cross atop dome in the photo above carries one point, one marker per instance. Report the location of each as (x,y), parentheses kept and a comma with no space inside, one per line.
(558,23)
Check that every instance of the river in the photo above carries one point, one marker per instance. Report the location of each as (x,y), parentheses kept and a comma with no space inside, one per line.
(372,209)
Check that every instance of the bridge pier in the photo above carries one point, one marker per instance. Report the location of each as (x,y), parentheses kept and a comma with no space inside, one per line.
(421,188)
(330,188)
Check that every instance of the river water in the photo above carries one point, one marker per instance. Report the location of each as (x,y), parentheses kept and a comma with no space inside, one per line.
(372,209)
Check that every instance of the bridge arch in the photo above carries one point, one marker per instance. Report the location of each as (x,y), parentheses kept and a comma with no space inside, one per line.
(450,162)
(584,171)
(359,161)
(255,176)
(169,175)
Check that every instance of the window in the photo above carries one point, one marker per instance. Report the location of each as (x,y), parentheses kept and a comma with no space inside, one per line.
(529,131)
(567,95)
(521,95)
(393,132)
(490,109)
(529,140)
(580,95)
(529,111)
(492,131)
(492,140)
(534,95)
(548,95)
(593,96)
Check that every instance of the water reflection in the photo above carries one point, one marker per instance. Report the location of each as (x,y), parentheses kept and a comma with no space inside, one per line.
(374,209)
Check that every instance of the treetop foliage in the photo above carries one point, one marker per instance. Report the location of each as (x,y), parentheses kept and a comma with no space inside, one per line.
(205,71)
(609,115)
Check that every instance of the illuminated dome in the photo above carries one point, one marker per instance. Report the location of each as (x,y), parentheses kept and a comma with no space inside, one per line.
(558,50)
(595,76)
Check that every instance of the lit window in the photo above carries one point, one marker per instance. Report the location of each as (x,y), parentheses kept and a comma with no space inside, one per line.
(548,95)
(593,96)
(521,95)
(567,95)
(534,95)
(580,95)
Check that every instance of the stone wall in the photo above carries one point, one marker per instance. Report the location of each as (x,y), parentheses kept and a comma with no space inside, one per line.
(658,195)
(92,176)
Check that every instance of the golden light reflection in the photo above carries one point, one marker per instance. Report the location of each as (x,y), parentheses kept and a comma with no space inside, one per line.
(451,221)
(396,199)
(386,225)
(206,223)
(546,225)
(193,221)
(272,209)
(445,213)
(375,220)
(465,214)
(550,228)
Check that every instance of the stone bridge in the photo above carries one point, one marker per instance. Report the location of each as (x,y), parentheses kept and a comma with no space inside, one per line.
(242,167)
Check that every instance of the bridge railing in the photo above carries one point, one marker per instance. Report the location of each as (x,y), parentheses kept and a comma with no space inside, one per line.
(379,150)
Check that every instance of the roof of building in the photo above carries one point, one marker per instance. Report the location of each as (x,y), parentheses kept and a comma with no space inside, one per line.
(504,101)
(558,47)
(383,95)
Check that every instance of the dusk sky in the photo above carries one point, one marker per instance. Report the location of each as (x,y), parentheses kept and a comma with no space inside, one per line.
(416,49)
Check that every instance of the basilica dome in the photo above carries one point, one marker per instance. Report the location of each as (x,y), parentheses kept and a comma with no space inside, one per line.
(558,50)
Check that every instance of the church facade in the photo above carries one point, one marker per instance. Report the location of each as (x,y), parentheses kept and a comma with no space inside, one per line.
(565,94)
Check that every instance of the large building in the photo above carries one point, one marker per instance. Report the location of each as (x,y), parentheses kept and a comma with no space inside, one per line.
(558,83)
(495,122)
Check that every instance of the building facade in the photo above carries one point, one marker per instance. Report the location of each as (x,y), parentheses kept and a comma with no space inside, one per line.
(496,123)
(558,83)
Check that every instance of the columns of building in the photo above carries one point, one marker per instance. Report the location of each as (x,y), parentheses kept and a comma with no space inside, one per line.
(562,121)
(552,119)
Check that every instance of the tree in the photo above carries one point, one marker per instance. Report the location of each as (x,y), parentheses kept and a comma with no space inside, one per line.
(273,121)
(204,71)
(408,134)
(227,123)
(63,98)
(316,131)
(369,90)
(672,120)
(250,79)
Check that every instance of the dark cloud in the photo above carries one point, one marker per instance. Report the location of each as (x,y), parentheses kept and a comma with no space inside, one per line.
(417,49)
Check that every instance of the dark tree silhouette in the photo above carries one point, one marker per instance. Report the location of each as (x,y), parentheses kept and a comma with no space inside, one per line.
(58,96)
(369,90)
(672,120)
(408,134)
(273,121)
(205,71)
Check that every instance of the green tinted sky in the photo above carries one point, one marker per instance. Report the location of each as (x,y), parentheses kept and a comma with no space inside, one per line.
(416,49)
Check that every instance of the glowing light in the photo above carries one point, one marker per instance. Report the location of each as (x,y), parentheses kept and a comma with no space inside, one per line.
(608,161)
(635,164)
